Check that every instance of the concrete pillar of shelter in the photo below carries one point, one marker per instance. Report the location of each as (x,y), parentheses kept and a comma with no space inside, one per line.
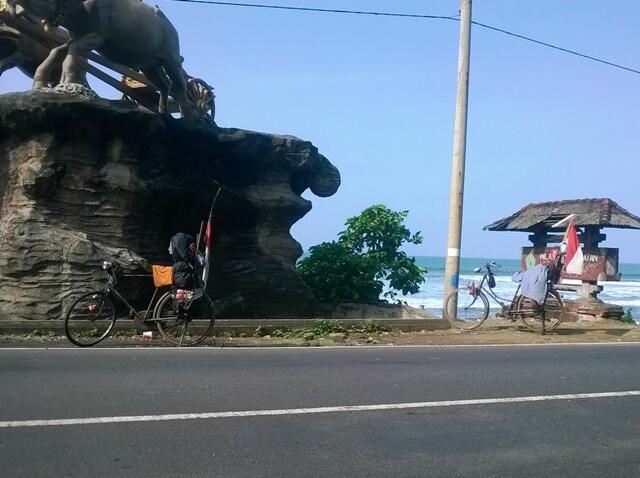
(591,241)
(589,291)
(539,239)
(592,237)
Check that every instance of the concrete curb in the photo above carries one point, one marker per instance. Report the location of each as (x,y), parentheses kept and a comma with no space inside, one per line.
(235,326)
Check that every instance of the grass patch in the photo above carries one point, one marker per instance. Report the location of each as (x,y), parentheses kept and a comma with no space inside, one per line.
(42,334)
(321,329)
(370,327)
(125,333)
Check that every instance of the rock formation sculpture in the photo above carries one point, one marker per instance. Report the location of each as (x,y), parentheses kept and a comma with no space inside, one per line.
(126,178)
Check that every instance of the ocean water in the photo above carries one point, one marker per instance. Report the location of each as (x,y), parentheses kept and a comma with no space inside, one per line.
(625,293)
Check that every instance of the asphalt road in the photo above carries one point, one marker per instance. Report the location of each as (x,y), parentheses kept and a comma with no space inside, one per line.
(546,436)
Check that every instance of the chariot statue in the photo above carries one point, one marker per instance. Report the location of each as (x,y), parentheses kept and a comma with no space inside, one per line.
(52,40)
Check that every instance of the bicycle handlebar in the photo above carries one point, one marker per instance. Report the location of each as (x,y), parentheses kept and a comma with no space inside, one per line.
(130,261)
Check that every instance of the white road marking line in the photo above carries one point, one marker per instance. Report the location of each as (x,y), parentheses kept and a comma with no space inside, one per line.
(308,411)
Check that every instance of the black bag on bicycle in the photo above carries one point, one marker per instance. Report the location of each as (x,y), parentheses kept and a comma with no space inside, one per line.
(182,248)
(491,281)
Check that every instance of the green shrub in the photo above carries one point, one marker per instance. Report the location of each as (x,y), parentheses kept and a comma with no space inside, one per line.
(336,274)
(369,327)
(260,331)
(352,268)
(627,318)
(322,328)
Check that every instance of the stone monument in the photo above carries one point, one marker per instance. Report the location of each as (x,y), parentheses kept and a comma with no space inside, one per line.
(83,177)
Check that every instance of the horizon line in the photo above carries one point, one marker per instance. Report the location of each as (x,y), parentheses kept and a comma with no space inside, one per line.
(481,258)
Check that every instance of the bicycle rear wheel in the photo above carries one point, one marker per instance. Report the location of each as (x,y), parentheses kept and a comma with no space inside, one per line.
(90,319)
(470,305)
(184,323)
(543,318)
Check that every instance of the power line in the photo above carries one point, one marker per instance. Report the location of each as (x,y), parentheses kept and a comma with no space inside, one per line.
(555,47)
(411,15)
(321,10)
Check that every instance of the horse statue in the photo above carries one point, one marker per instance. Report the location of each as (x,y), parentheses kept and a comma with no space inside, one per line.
(128,32)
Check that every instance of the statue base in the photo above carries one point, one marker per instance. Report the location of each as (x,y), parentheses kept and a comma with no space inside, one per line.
(77,90)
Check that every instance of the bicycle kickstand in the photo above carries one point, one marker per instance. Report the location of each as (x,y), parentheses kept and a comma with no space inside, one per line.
(184,330)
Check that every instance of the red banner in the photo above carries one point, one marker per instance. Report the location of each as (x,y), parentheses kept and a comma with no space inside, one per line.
(599,264)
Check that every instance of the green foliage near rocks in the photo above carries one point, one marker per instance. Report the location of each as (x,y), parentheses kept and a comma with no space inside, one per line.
(260,331)
(352,269)
(336,274)
(627,318)
(323,328)
(369,327)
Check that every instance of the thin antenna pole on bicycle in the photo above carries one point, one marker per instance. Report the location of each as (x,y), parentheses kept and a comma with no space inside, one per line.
(452,266)
(215,198)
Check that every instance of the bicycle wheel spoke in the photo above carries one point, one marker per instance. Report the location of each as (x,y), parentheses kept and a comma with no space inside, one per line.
(466,308)
(184,323)
(90,319)
(545,317)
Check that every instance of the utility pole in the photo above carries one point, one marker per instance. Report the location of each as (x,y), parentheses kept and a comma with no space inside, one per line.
(452,266)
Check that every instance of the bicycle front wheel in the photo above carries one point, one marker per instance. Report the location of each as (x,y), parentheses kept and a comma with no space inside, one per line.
(470,306)
(184,323)
(543,318)
(90,319)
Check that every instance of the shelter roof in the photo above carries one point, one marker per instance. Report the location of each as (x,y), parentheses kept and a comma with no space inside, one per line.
(602,212)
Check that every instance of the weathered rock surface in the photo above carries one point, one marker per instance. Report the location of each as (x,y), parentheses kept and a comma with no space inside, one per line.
(80,179)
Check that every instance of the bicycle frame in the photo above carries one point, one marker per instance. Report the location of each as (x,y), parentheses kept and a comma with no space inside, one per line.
(507,308)
(147,316)
(110,289)
(534,315)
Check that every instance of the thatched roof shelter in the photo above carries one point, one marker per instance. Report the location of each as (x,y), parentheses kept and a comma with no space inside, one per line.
(588,212)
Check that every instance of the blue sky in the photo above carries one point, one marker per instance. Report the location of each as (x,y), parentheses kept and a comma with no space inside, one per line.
(377,97)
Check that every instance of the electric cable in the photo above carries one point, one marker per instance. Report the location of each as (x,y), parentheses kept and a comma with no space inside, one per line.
(556,47)
(412,15)
(321,10)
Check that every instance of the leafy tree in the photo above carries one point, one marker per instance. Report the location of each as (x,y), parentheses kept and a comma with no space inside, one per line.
(335,274)
(627,318)
(352,268)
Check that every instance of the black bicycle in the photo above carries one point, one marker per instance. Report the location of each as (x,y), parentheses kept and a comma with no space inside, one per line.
(183,317)
(471,305)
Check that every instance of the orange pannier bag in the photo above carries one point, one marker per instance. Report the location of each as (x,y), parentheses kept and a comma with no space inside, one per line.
(162,275)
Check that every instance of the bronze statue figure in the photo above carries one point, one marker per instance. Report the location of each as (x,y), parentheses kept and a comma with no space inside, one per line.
(21,51)
(128,32)
(11,55)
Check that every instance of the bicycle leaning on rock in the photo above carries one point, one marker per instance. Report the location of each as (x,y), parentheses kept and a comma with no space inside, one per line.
(183,317)
(471,304)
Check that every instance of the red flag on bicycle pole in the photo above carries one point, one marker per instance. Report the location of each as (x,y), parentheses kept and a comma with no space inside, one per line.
(208,240)
(207,251)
